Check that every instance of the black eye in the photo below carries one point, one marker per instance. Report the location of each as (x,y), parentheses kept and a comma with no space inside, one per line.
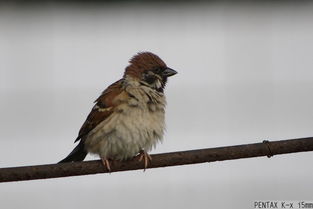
(149,78)
(158,70)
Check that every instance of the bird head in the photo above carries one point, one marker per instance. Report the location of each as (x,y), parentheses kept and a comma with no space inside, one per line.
(149,70)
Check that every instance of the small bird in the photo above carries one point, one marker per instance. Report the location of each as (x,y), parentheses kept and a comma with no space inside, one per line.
(128,119)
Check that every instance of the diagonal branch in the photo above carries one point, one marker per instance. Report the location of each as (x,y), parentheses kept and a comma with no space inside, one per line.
(159,160)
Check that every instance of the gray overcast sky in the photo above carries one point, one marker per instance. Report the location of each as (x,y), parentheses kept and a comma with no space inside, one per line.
(245,75)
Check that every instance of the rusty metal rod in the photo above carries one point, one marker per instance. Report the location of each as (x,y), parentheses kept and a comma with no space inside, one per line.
(265,148)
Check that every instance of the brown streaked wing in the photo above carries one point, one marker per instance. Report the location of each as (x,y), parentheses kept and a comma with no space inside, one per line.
(105,106)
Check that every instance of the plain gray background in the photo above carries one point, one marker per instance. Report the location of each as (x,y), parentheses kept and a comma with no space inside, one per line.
(245,75)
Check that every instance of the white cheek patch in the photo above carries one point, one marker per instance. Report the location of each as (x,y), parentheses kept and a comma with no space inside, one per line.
(158,84)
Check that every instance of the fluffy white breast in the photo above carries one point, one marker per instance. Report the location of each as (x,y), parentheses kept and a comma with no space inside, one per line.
(137,124)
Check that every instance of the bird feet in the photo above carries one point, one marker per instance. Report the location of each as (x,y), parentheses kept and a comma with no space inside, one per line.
(143,155)
(106,164)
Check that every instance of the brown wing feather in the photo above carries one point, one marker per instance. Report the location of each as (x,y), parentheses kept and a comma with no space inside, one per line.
(103,108)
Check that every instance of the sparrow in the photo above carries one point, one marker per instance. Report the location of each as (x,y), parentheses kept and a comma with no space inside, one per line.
(128,118)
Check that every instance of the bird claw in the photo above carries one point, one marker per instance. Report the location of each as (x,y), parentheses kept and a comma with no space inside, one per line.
(106,164)
(143,155)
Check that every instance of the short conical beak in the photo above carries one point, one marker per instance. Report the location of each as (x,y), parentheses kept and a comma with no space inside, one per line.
(169,72)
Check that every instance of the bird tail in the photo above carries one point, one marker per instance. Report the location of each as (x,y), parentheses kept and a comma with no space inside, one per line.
(78,154)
